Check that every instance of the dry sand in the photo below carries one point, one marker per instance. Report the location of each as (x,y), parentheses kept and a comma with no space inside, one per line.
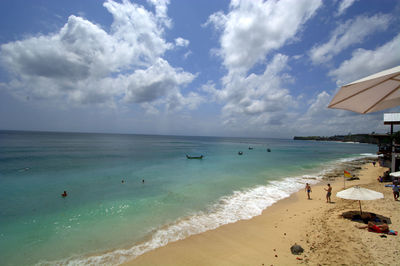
(327,238)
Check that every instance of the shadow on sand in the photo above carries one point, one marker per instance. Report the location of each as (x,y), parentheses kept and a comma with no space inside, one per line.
(365,217)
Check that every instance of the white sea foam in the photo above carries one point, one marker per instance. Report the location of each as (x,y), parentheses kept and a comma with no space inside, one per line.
(241,205)
(361,156)
(369,155)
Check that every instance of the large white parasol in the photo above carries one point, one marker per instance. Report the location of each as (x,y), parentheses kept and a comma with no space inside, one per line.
(395,174)
(359,193)
(370,94)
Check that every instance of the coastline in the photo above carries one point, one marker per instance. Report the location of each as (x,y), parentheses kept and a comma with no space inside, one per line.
(313,224)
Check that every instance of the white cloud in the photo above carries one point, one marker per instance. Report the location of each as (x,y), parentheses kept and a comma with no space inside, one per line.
(176,102)
(155,82)
(161,7)
(320,120)
(252,29)
(181,42)
(249,32)
(254,96)
(351,32)
(366,62)
(344,5)
(187,54)
(84,64)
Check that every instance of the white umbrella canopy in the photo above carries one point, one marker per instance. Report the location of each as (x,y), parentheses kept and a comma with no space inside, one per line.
(395,174)
(370,94)
(359,193)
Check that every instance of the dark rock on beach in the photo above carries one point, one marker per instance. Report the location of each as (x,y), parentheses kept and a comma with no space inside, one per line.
(296,249)
(352,166)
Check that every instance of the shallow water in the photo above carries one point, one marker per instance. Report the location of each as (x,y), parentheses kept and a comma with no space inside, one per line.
(118,220)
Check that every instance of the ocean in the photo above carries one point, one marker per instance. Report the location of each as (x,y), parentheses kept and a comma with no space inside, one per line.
(129,194)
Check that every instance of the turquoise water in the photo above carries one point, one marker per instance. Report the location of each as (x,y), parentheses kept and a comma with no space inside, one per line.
(106,221)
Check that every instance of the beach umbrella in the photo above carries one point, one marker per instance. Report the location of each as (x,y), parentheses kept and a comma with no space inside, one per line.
(370,94)
(359,193)
(395,174)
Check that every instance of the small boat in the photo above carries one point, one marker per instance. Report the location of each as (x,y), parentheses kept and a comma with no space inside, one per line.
(240,153)
(194,157)
(268,150)
(250,148)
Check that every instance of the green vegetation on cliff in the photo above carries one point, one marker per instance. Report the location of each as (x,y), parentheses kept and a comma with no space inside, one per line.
(361,138)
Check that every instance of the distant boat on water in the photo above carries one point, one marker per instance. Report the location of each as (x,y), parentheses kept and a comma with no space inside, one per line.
(240,152)
(268,150)
(194,157)
(250,148)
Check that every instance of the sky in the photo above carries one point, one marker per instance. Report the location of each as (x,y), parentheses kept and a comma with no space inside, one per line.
(241,68)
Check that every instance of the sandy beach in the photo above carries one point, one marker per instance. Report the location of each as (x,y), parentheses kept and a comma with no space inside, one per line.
(327,238)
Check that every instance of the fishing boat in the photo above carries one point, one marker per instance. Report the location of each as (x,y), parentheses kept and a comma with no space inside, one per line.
(194,157)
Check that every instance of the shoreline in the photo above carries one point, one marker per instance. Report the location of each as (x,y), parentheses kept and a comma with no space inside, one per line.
(267,238)
(237,208)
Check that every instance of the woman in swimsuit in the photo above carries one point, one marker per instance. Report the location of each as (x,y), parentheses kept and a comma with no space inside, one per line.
(383,228)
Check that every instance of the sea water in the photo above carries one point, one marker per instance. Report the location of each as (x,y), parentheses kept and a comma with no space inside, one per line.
(128,194)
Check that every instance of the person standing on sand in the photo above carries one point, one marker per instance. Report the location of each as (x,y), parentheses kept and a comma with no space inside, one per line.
(308,189)
(328,193)
(396,192)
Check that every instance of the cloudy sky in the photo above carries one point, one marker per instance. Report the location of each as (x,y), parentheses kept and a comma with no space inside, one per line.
(186,67)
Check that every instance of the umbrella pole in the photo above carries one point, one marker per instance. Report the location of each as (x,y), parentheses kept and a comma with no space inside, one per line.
(360,207)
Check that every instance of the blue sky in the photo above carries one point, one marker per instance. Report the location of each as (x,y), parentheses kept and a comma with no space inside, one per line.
(215,68)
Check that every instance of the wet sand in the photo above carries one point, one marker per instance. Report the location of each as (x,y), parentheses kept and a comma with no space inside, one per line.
(327,238)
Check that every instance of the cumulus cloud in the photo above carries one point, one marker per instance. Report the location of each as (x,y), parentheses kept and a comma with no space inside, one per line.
(155,82)
(161,7)
(318,119)
(252,29)
(84,64)
(366,62)
(181,42)
(344,5)
(248,98)
(351,32)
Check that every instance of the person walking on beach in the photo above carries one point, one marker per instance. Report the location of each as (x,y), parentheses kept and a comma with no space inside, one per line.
(396,192)
(328,193)
(308,189)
